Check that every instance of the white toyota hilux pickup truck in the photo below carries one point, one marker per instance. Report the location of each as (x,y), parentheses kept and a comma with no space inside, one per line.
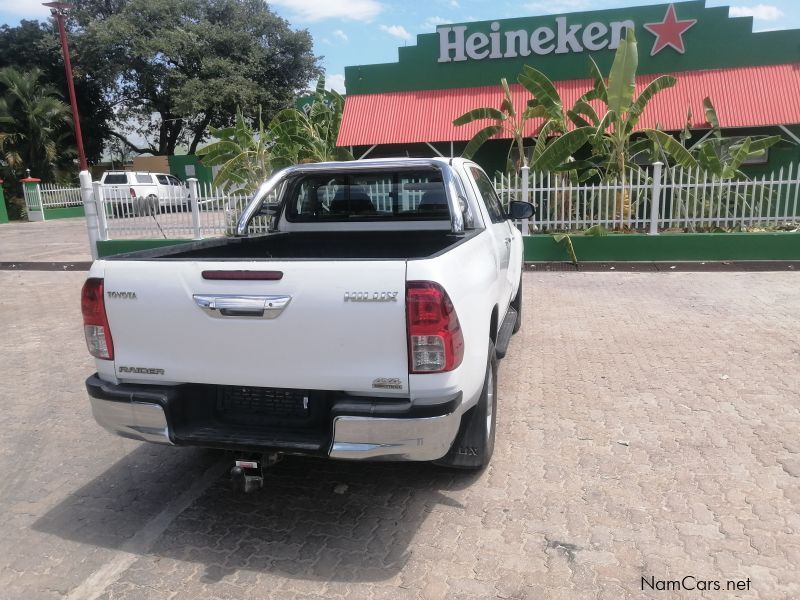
(366,325)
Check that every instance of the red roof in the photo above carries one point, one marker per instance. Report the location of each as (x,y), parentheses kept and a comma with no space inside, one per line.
(743,96)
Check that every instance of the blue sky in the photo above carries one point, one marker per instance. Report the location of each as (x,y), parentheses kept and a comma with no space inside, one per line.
(352,32)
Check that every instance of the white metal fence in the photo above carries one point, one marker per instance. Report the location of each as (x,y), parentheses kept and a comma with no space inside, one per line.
(197,211)
(44,196)
(58,196)
(652,199)
(658,199)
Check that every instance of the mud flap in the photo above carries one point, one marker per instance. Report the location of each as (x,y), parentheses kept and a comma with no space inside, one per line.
(473,447)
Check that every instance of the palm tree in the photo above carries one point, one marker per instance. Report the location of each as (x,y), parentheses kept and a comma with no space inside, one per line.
(34,123)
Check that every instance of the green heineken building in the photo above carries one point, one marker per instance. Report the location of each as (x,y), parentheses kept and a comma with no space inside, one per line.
(406,108)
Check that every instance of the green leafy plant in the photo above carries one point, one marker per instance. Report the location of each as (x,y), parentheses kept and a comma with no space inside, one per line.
(242,152)
(555,145)
(507,119)
(34,124)
(173,69)
(716,156)
(302,136)
(566,240)
(248,154)
(596,231)
(616,139)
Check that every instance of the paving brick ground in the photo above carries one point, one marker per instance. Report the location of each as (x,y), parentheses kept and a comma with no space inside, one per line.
(648,426)
(58,240)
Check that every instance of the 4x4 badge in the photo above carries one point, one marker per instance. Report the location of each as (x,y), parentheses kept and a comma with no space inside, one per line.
(387,383)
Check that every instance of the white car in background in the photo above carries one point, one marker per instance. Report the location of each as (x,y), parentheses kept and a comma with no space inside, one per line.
(137,193)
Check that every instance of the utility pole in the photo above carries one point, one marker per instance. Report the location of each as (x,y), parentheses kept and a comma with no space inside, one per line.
(58,10)
(92,207)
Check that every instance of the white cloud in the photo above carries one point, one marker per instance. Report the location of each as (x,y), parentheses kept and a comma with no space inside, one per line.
(397,31)
(559,6)
(762,12)
(335,81)
(432,22)
(340,34)
(24,10)
(314,10)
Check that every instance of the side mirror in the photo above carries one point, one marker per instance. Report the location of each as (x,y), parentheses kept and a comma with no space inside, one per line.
(520,210)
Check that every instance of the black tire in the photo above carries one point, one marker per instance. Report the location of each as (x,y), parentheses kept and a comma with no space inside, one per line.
(516,304)
(474,444)
(151,205)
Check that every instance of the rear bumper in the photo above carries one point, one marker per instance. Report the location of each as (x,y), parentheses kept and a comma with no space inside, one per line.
(353,427)
(129,414)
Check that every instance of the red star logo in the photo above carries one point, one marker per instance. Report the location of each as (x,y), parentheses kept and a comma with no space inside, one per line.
(669,32)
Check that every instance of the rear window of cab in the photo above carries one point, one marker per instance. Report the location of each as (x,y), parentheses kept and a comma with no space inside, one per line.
(372,196)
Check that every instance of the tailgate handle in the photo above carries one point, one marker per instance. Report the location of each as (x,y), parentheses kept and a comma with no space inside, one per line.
(225,305)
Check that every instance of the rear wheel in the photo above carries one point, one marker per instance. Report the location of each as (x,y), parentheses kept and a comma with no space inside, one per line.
(151,205)
(474,443)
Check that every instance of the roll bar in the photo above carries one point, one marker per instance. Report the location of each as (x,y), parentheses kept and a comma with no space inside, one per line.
(456,201)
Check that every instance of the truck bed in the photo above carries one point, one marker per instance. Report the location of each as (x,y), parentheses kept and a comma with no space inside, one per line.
(328,245)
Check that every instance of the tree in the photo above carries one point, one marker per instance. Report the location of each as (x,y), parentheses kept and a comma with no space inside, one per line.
(35,123)
(35,45)
(248,154)
(309,135)
(177,67)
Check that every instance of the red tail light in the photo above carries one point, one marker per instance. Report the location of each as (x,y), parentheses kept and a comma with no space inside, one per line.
(133,193)
(95,322)
(435,341)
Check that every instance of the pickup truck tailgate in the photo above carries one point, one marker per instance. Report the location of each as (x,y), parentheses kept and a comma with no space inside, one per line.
(184,327)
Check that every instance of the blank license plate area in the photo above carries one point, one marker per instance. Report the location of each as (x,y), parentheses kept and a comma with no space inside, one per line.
(258,405)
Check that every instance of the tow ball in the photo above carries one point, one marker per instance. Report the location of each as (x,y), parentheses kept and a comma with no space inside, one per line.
(247,474)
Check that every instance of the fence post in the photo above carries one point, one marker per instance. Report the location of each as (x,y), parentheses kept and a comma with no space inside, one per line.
(193,201)
(525,196)
(655,199)
(33,198)
(99,200)
(90,210)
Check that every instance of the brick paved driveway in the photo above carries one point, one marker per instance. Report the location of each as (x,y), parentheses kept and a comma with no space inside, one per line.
(649,426)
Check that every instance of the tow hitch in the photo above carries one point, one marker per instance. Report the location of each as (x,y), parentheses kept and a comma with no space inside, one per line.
(247,474)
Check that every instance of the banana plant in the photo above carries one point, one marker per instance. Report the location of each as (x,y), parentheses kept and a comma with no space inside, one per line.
(714,156)
(555,144)
(614,138)
(507,119)
(724,157)
(302,136)
(247,155)
(242,152)
(616,131)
